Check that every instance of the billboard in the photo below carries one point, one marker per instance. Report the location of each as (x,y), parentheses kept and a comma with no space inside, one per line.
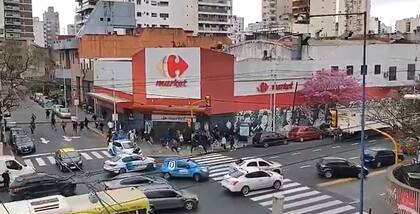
(173,73)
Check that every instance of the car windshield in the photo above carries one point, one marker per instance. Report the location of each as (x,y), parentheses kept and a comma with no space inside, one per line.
(72,154)
(128,145)
(236,174)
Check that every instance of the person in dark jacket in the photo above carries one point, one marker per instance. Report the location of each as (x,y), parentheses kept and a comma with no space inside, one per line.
(6,178)
(86,123)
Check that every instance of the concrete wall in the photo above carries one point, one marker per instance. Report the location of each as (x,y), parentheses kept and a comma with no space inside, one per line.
(255,50)
(324,25)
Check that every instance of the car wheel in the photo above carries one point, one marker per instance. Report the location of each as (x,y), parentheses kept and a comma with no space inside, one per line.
(197,177)
(301,139)
(360,175)
(245,190)
(265,145)
(378,164)
(150,166)
(189,205)
(328,174)
(166,175)
(122,171)
(277,185)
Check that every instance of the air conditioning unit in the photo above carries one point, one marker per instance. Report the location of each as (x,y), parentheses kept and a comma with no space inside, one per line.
(386,74)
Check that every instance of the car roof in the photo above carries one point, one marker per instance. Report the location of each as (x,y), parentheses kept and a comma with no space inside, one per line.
(155,186)
(67,149)
(378,149)
(334,159)
(123,141)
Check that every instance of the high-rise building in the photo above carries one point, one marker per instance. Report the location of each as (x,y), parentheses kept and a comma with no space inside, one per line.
(51,26)
(214,17)
(39,32)
(237,29)
(300,10)
(408,25)
(16,20)
(276,13)
(71,29)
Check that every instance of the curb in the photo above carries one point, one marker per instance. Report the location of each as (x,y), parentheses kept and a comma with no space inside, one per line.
(96,131)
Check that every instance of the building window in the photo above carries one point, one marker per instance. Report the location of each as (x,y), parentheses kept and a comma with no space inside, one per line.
(138,14)
(164,3)
(377,69)
(334,68)
(349,69)
(392,73)
(138,1)
(164,15)
(411,71)
(154,3)
(154,14)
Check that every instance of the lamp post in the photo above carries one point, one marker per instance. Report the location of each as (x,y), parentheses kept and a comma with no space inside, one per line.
(364,72)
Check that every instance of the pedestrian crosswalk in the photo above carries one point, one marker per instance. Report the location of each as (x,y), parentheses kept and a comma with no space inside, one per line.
(298,198)
(49,159)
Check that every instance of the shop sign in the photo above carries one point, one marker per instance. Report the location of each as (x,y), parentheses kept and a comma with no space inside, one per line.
(407,202)
(265,87)
(171,118)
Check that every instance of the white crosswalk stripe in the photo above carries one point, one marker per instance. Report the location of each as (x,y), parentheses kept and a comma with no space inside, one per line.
(298,198)
(96,154)
(51,159)
(106,153)
(28,162)
(40,161)
(86,156)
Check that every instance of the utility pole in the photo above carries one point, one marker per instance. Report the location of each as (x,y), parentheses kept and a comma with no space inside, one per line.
(114,115)
(64,85)
(274,103)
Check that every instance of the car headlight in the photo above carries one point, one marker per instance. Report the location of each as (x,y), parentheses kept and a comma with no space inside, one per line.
(65,164)
(80,162)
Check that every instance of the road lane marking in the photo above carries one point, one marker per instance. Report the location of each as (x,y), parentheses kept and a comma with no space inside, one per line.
(86,156)
(208,158)
(307,201)
(335,147)
(382,194)
(214,161)
(315,207)
(220,162)
(258,192)
(220,170)
(40,161)
(106,153)
(317,150)
(338,210)
(353,144)
(28,162)
(219,166)
(284,192)
(297,153)
(51,159)
(290,198)
(96,154)
(353,158)
(217,174)
(52,153)
(305,166)
(372,141)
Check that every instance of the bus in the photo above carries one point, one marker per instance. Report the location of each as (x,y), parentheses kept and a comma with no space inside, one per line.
(118,201)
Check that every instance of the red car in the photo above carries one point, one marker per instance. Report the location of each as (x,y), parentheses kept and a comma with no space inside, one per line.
(302,133)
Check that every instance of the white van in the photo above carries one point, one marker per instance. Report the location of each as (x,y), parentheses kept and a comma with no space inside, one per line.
(8,162)
(46,205)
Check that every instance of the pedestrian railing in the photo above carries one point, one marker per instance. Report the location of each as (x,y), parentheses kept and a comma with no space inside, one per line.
(402,198)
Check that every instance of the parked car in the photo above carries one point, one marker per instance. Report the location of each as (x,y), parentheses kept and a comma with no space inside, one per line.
(9,123)
(128,163)
(329,167)
(165,197)
(267,139)
(245,181)
(256,164)
(64,113)
(379,157)
(23,145)
(302,133)
(15,131)
(56,108)
(133,179)
(15,168)
(184,168)
(68,159)
(37,185)
(118,147)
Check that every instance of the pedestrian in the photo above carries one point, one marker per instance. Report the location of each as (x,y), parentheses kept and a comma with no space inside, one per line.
(47,114)
(53,123)
(86,123)
(223,143)
(75,126)
(6,178)
(82,125)
(174,145)
(101,126)
(32,127)
(63,126)
(33,117)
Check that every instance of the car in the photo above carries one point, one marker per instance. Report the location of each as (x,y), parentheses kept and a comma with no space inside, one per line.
(23,145)
(267,139)
(165,197)
(15,131)
(245,181)
(68,159)
(123,147)
(14,167)
(9,123)
(133,179)
(330,167)
(64,113)
(302,133)
(378,157)
(37,185)
(254,164)
(183,168)
(129,163)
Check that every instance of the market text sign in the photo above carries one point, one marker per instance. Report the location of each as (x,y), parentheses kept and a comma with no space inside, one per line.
(265,87)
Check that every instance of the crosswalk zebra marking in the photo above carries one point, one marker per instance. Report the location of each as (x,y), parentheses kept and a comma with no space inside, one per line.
(97,155)
(210,158)
(302,195)
(51,159)
(315,207)
(307,201)
(214,161)
(40,161)
(284,192)
(220,170)
(338,210)
(28,162)
(106,153)
(86,156)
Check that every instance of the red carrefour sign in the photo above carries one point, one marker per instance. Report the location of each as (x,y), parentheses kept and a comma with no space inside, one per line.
(172,67)
(264,87)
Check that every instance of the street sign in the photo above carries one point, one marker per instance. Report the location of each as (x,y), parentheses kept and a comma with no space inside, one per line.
(44,141)
(76,102)
(114,117)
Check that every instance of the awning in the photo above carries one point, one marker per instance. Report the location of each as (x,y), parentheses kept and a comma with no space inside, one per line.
(108,98)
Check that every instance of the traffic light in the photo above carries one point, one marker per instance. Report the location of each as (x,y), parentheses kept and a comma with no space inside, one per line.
(334,118)
(207,99)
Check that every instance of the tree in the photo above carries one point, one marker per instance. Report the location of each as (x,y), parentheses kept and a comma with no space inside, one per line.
(328,89)
(16,58)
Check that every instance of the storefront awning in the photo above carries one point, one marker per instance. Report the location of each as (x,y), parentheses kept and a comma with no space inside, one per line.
(108,98)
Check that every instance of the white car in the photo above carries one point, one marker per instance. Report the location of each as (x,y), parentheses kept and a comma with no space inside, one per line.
(56,108)
(14,167)
(129,163)
(256,164)
(123,147)
(64,113)
(244,181)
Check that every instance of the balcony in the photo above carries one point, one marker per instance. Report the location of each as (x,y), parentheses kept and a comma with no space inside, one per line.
(13,30)
(215,3)
(15,23)
(12,35)
(11,8)
(12,15)
(84,7)
(11,1)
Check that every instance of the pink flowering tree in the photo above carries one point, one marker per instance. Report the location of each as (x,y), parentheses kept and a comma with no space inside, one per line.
(330,88)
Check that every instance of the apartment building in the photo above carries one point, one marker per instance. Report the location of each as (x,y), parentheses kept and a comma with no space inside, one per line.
(408,25)
(214,17)
(16,20)
(51,25)
(237,29)
(39,32)
(300,10)
(276,13)
(71,29)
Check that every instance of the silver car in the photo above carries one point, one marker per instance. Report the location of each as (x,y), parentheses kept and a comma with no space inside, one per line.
(165,197)
(132,180)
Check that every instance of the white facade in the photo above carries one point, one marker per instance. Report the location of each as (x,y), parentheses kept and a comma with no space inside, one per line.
(214,17)
(168,14)
(237,30)
(39,32)
(113,73)
(408,25)
(276,13)
(51,21)
(255,27)
(259,50)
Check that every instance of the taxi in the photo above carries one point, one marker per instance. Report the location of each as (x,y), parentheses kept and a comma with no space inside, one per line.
(184,168)
(68,159)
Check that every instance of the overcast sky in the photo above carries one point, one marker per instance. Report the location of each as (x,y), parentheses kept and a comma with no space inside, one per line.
(387,10)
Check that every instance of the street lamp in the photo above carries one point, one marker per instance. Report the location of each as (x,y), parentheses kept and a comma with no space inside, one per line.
(364,72)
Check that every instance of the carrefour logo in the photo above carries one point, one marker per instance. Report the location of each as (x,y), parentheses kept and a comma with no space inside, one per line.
(172,67)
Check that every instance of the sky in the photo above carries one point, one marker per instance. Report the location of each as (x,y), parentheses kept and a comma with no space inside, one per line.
(388,11)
